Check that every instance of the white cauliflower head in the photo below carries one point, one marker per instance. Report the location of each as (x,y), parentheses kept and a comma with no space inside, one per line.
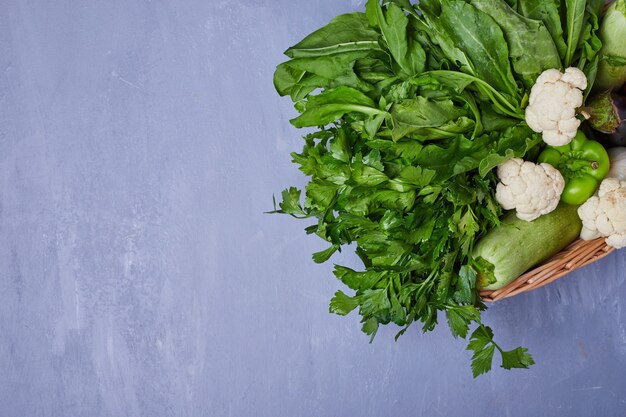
(552,105)
(531,189)
(605,214)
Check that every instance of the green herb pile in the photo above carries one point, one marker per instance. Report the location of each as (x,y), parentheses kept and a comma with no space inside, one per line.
(414,107)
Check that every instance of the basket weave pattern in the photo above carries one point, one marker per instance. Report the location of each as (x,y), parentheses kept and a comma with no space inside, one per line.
(576,255)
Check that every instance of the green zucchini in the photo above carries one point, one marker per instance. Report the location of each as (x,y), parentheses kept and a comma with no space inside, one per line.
(516,245)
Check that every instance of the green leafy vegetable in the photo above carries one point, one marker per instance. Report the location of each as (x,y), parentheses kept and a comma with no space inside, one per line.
(406,52)
(483,346)
(435,117)
(531,47)
(332,105)
(412,108)
(547,11)
(575,21)
(475,40)
(345,33)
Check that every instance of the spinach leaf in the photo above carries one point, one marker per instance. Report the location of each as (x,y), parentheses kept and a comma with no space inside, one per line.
(575,20)
(547,11)
(345,33)
(589,44)
(285,78)
(331,105)
(297,83)
(474,41)
(393,23)
(326,57)
(414,115)
(331,67)
(531,48)
(460,81)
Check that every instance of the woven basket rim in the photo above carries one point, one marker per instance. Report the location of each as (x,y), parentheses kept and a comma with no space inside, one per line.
(580,253)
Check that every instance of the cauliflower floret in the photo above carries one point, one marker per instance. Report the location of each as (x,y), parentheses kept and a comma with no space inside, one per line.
(533,190)
(605,214)
(552,105)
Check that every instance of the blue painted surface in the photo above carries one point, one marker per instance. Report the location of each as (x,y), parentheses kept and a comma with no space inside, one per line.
(140,144)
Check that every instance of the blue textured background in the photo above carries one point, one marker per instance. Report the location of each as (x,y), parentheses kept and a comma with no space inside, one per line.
(140,144)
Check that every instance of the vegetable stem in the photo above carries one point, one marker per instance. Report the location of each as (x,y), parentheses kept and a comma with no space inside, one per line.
(498,99)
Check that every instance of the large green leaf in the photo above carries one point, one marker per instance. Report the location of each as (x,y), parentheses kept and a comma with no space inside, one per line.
(548,11)
(431,118)
(295,82)
(393,23)
(473,40)
(575,21)
(345,33)
(531,47)
(331,105)
(459,81)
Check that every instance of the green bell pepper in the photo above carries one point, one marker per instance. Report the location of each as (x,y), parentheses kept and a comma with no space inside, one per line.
(584,163)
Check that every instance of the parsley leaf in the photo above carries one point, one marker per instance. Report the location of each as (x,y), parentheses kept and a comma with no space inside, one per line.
(517,358)
(460,318)
(481,342)
(342,304)
(481,360)
(483,346)
(291,202)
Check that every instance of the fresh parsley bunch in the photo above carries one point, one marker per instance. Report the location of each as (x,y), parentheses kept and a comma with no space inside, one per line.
(415,106)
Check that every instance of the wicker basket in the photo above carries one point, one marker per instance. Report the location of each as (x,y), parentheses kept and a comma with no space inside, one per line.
(576,255)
